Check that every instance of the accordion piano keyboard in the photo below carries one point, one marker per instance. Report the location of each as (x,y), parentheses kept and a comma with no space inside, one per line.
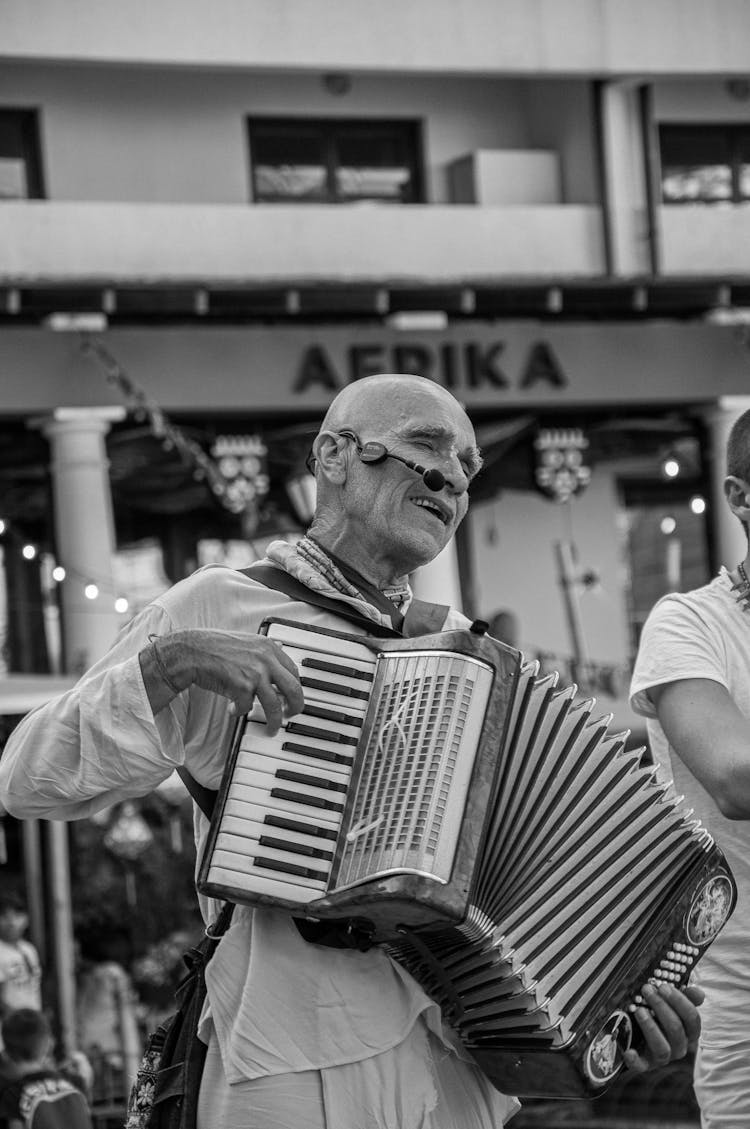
(284,808)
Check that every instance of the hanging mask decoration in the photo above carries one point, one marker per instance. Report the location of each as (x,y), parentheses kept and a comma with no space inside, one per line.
(241,462)
(560,472)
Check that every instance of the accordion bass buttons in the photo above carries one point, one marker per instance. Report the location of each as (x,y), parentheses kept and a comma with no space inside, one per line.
(689,951)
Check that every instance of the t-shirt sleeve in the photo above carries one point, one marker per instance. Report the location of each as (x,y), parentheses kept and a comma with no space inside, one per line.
(678,641)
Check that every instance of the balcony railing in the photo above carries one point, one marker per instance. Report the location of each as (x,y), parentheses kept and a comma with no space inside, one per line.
(146,243)
(700,239)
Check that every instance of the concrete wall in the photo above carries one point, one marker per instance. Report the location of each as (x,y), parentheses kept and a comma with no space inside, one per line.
(472,36)
(163,137)
(560,116)
(706,101)
(512,540)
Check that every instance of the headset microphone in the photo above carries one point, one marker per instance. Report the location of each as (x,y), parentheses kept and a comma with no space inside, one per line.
(433,479)
(373,452)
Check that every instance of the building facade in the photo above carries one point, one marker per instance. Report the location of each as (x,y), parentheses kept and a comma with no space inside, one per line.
(547,212)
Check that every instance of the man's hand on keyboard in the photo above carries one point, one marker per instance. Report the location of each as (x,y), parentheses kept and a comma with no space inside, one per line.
(239,667)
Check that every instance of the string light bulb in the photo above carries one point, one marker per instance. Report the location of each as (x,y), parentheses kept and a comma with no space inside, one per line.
(54,573)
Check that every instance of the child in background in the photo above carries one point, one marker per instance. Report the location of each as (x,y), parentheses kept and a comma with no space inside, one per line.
(20,968)
(39,1095)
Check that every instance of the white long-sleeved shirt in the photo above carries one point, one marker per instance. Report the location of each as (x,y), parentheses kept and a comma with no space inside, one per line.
(278,1003)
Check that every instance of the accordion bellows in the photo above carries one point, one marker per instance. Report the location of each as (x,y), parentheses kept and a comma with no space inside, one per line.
(526,867)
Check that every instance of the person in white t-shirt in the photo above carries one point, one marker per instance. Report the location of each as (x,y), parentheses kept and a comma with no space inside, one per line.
(692,683)
(20,967)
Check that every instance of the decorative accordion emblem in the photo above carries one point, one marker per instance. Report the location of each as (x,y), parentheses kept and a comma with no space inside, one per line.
(710,908)
(560,471)
(604,1056)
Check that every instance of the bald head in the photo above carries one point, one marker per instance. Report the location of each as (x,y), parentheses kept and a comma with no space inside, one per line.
(379,399)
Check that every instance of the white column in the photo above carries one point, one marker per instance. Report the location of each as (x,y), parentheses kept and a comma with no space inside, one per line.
(625,178)
(438,581)
(84,529)
(729,537)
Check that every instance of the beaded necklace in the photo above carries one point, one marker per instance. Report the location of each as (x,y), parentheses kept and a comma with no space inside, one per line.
(742,587)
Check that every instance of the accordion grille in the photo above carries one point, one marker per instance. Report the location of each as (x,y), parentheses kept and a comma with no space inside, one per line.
(426,715)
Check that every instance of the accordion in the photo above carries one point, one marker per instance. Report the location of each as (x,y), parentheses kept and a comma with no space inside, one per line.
(528,869)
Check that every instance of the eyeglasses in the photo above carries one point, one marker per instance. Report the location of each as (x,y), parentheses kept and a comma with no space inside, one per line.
(373,452)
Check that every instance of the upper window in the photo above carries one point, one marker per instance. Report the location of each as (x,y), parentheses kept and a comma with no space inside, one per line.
(705,164)
(334,161)
(20,163)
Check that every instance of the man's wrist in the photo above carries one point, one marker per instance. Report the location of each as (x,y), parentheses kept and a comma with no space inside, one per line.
(165,671)
(167,678)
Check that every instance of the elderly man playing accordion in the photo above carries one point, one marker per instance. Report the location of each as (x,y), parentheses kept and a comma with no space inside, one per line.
(298,1033)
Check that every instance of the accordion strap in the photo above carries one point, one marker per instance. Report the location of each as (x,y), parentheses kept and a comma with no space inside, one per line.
(204,797)
(452,1007)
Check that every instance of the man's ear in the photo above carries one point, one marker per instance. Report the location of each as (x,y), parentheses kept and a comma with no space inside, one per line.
(330,450)
(737,494)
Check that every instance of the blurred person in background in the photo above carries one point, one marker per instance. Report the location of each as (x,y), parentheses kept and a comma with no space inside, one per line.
(106,1012)
(37,1094)
(691,682)
(20,967)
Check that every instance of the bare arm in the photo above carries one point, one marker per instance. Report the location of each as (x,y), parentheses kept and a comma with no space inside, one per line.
(711,737)
(239,667)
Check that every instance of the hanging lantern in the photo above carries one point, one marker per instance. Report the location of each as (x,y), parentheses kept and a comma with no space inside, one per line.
(128,835)
(127,838)
(560,471)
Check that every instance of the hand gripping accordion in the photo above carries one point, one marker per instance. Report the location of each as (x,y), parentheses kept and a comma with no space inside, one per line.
(527,869)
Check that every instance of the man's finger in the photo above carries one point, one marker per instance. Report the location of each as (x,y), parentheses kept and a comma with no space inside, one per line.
(288,685)
(657,1050)
(672,1013)
(272,703)
(683,1008)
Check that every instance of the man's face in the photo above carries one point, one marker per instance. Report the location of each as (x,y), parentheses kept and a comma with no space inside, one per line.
(392,519)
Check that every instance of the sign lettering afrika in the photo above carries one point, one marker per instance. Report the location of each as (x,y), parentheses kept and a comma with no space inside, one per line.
(457,366)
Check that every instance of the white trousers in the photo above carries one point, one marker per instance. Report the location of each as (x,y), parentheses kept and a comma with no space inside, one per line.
(722,1083)
(417,1085)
